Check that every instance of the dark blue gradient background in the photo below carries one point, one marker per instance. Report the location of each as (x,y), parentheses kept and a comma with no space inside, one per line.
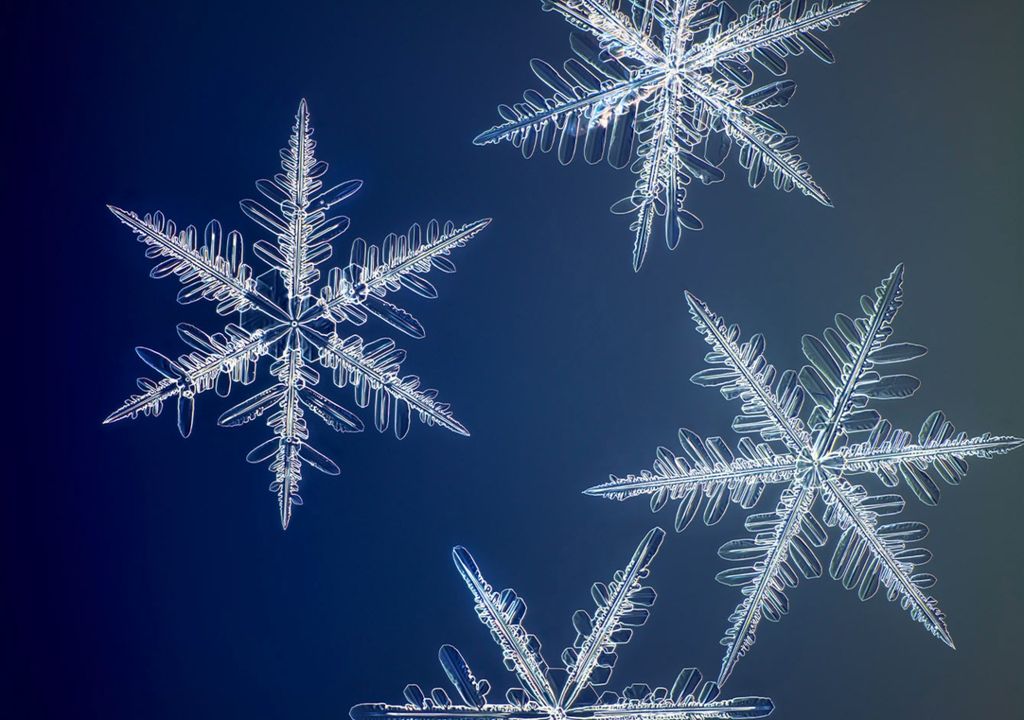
(149,575)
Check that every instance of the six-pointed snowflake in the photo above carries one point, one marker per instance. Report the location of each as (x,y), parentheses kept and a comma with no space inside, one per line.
(673,78)
(282,317)
(546,693)
(817,463)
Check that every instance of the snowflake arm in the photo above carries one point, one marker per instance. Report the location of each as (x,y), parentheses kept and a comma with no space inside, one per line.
(289,447)
(741,371)
(622,605)
(782,546)
(471,705)
(706,469)
(401,262)
(689,698)
(772,31)
(658,185)
(939,452)
(841,378)
(584,104)
(614,29)
(502,613)
(216,361)
(212,272)
(432,710)
(372,369)
(301,225)
(765,146)
(869,554)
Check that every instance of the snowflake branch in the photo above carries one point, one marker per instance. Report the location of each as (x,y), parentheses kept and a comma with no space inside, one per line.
(373,370)
(382,711)
(739,473)
(940,452)
(303,230)
(401,262)
(886,546)
(744,374)
(592,106)
(230,355)
(766,143)
(622,605)
(502,614)
(204,272)
(658,171)
(613,28)
(768,578)
(740,708)
(858,341)
(689,698)
(760,29)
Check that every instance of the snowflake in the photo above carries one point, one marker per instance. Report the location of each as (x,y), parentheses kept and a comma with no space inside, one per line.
(672,77)
(546,693)
(281,316)
(816,462)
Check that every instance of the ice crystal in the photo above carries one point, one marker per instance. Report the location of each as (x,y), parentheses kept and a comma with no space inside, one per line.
(673,79)
(814,458)
(547,693)
(297,328)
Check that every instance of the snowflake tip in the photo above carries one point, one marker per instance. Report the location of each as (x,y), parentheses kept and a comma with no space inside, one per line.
(696,304)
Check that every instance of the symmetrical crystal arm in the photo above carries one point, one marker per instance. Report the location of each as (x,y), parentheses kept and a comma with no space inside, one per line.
(768,148)
(612,27)
(502,613)
(766,26)
(841,366)
(214,361)
(215,270)
(740,371)
(382,711)
(777,550)
(622,604)
(676,479)
(591,105)
(881,555)
(373,370)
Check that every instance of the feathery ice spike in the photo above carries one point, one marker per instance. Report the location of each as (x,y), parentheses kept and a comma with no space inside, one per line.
(666,88)
(812,456)
(573,692)
(283,318)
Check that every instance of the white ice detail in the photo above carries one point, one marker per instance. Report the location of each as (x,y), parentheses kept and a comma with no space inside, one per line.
(813,457)
(672,79)
(281,316)
(570,692)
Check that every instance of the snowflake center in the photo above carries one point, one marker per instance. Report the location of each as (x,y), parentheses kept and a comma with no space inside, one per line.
(811,462)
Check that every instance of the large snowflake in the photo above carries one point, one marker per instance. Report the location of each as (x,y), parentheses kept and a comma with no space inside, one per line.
(816,462)
(569,693)
(282,317)
(672,77)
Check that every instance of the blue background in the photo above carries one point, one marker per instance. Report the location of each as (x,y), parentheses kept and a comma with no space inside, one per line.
(149,575)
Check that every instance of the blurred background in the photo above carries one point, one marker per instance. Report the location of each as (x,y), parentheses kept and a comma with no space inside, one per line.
(149,575)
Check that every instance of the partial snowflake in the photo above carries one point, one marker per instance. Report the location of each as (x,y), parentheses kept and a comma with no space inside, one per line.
(297,328)
(572,692)
(813,457)
(672,78)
